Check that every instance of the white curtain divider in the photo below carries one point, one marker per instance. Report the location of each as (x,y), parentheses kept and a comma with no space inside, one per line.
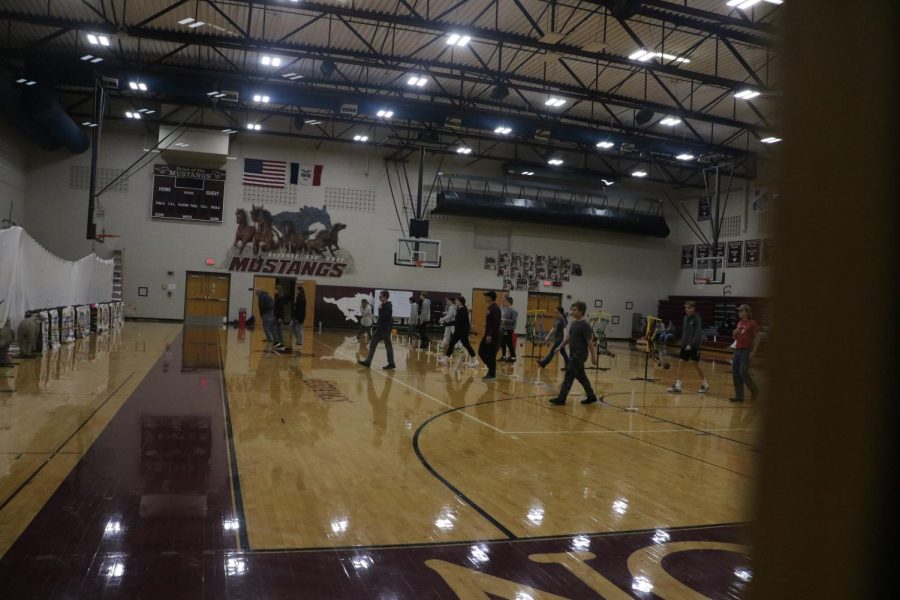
(31,277)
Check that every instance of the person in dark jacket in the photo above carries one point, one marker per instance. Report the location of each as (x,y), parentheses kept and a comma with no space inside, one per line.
(487,350)
(270,325)
(382,332)
(691,338)
(461,327)
(298,314)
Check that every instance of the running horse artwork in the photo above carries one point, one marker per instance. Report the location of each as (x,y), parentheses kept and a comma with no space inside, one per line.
(326,240)
(268,238)
(245,233)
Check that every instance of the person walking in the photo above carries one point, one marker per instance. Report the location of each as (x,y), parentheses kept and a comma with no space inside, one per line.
(447,320)
(424,319)
(581,341)
(460,334)
(508,318)
(559,335)
(746,342)
(365,320)
(271,328)
(298,312)
(413,318)
(382,332)
(691,338)
(487,349)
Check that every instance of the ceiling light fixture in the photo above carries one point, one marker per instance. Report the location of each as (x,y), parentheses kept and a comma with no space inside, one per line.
(555,162)
(456,39)
(607,183)
(417,80)
(503,130)
(746,4)
(670,121)
(133,115)
(229,131)
(97,39)
(463,150)
(270,61)
(639,173)
(644,55)
(605,144)
(527,172)
(87,57)
(292,76)
(554,102)
(138,85)
(313,122)
(770,140)
(97,60)
(360,138)
(89,124)
(261,98)
(746,94)
(186,21)
(385,114)
(685,157)
(254,126)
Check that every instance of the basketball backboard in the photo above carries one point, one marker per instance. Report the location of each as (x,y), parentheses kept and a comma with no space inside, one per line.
(418,252)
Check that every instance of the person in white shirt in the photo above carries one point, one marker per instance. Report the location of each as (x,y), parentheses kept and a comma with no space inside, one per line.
(365,320)
(413,318)
(424,319)
(447,320)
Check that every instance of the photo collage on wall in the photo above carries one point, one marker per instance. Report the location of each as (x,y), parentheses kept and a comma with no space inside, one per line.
(526,272)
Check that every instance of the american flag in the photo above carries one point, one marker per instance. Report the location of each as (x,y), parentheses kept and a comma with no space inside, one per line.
(265,173)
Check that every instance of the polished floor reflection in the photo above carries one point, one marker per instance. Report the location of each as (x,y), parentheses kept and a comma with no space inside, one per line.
(133,465)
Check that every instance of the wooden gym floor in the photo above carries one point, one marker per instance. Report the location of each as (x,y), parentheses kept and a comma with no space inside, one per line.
(134,465)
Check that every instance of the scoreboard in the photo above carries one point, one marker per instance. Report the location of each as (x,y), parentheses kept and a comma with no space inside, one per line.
(188,193)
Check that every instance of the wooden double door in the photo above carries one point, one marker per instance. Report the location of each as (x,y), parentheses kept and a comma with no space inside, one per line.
(206,296)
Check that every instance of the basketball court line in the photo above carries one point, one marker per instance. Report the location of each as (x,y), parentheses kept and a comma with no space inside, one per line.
(649,443)
(682,430)
(66,441)
(242,536)
(413,388)
(535,538)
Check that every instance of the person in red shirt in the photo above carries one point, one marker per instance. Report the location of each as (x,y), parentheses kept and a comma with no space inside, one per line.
(745,342)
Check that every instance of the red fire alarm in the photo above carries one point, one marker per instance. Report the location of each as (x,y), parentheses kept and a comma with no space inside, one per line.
(210,261)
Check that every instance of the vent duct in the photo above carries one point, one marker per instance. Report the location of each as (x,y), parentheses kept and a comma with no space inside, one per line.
(530,210)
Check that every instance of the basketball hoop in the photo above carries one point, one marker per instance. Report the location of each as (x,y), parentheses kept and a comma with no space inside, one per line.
(420,262)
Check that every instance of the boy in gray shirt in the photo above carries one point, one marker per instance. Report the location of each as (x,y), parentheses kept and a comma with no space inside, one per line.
(580,342)
(691,338)
(508,318)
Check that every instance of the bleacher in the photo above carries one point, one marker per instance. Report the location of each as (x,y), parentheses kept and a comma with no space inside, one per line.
(718,313)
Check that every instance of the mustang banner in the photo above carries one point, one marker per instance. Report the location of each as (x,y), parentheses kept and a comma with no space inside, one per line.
(303,242)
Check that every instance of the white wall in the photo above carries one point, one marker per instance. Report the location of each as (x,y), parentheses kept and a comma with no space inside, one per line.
(617,267)
(12,174)
(743,281)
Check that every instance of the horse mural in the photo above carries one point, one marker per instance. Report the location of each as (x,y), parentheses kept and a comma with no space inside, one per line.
(326,240)
(245,233)
(297,239)
(268,237)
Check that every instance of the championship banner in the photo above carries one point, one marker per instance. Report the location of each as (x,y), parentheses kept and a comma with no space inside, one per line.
(704,213)
(735,253)
(702,251)
(188,193)
(751,253)
(687,257)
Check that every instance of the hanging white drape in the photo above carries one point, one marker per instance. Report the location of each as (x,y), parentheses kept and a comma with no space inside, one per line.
(31,277)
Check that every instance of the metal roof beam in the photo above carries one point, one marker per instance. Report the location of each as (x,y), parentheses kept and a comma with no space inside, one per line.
(506,38)
(386,62)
